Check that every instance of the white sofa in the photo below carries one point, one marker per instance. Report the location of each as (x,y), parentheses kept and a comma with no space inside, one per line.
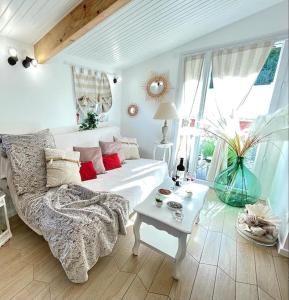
(135,180)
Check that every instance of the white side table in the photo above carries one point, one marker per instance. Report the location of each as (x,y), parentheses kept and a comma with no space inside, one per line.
(156,228)
(5,232)
(166,148)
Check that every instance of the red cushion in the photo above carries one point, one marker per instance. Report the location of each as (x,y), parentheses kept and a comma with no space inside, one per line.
(111,161)
(87,171)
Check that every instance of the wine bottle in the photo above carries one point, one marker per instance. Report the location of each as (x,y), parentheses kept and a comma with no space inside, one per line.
(180,175)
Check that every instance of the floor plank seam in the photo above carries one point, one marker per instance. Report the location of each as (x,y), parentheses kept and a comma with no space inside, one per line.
(277,277)
(193,257)
(218,267)
(156,273)
(258,287)
(213,293)
(129,287)
(193,285)
(257,280)
(142,282)
(207,232)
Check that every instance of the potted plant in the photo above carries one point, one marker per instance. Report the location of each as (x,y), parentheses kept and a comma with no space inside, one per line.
(90,122)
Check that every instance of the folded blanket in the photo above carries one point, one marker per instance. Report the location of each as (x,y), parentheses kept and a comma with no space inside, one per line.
(80,225)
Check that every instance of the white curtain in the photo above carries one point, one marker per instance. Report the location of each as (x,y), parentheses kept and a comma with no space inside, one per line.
(193,66)
(92,92)
(234,73)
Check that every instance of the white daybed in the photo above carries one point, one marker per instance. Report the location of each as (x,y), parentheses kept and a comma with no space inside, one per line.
(135,180)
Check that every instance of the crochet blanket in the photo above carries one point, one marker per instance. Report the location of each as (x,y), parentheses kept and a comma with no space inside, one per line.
(80,225)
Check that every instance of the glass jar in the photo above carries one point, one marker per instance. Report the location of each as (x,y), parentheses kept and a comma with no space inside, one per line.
(237,185)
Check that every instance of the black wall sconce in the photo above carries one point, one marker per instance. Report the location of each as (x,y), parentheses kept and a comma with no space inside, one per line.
(116,79)
(12,59)
(29,61)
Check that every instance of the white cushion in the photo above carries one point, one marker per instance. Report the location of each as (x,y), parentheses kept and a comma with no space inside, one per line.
(62,167)
(135,180)
(129,147)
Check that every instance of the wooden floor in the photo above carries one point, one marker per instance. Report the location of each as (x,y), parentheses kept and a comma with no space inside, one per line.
(219,265)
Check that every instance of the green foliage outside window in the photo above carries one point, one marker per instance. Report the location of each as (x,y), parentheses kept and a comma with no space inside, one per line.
(267,74)
(207,147)
(268,71)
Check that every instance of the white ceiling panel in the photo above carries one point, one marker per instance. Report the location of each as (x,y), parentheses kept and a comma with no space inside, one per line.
(146,28)
(28,20)
(138,31)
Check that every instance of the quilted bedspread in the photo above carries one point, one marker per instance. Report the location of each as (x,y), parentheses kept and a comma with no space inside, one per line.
(79,225)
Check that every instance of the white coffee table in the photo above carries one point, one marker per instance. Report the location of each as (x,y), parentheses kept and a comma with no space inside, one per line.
(157,228)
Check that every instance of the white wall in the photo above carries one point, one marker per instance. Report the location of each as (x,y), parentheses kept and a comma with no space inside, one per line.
(40,97)
(267,23)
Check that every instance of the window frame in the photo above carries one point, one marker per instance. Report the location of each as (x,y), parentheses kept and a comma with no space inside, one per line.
(278,82)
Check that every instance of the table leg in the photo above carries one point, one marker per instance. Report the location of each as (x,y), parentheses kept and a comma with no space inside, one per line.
(136,228)
(154,154)
(164,154)
(181,253)
(170,154)
(197,221)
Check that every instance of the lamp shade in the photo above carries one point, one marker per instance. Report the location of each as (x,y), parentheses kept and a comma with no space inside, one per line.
(166,111)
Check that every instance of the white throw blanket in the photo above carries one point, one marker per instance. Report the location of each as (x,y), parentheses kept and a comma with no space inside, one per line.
(80,225)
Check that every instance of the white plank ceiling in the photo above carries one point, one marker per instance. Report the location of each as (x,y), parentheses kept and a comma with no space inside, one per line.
(28,20)
(145,28)
(138,31)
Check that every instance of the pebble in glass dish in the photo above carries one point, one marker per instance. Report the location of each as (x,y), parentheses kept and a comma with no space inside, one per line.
(178,215)
(173,205)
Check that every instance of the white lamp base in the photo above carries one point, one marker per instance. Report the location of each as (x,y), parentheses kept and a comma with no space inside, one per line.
(165,132)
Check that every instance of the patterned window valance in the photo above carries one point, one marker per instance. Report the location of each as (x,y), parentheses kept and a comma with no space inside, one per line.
(92,92)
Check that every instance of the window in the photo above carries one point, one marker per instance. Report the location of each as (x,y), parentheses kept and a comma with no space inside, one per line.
(257,103)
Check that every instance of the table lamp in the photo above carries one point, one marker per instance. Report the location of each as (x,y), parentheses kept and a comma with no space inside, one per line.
(166,111)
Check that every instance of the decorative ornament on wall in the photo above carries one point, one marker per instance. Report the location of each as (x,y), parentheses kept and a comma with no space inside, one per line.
(92,93)
(157,86)
(132,110)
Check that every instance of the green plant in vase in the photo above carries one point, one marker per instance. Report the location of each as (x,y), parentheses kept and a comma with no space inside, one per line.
(237,185)
(90,122)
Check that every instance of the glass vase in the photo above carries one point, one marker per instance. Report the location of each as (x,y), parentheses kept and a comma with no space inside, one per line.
(237,185)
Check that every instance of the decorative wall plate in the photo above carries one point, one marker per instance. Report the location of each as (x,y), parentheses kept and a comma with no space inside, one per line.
(132,110)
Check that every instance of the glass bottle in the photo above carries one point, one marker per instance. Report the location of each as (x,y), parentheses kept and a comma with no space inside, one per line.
(180,174)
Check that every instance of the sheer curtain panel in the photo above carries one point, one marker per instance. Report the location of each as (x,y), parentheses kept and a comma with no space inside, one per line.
(193,66)
(234,72)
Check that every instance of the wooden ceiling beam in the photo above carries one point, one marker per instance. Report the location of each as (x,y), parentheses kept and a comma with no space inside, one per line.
(78,22)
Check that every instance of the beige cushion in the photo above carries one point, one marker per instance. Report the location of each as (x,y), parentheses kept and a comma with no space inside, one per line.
(111,148)
(92,154)
(62,167)
(129,146)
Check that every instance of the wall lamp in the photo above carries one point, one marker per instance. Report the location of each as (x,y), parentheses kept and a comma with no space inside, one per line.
(12,59)
(29,61)
(116,79)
